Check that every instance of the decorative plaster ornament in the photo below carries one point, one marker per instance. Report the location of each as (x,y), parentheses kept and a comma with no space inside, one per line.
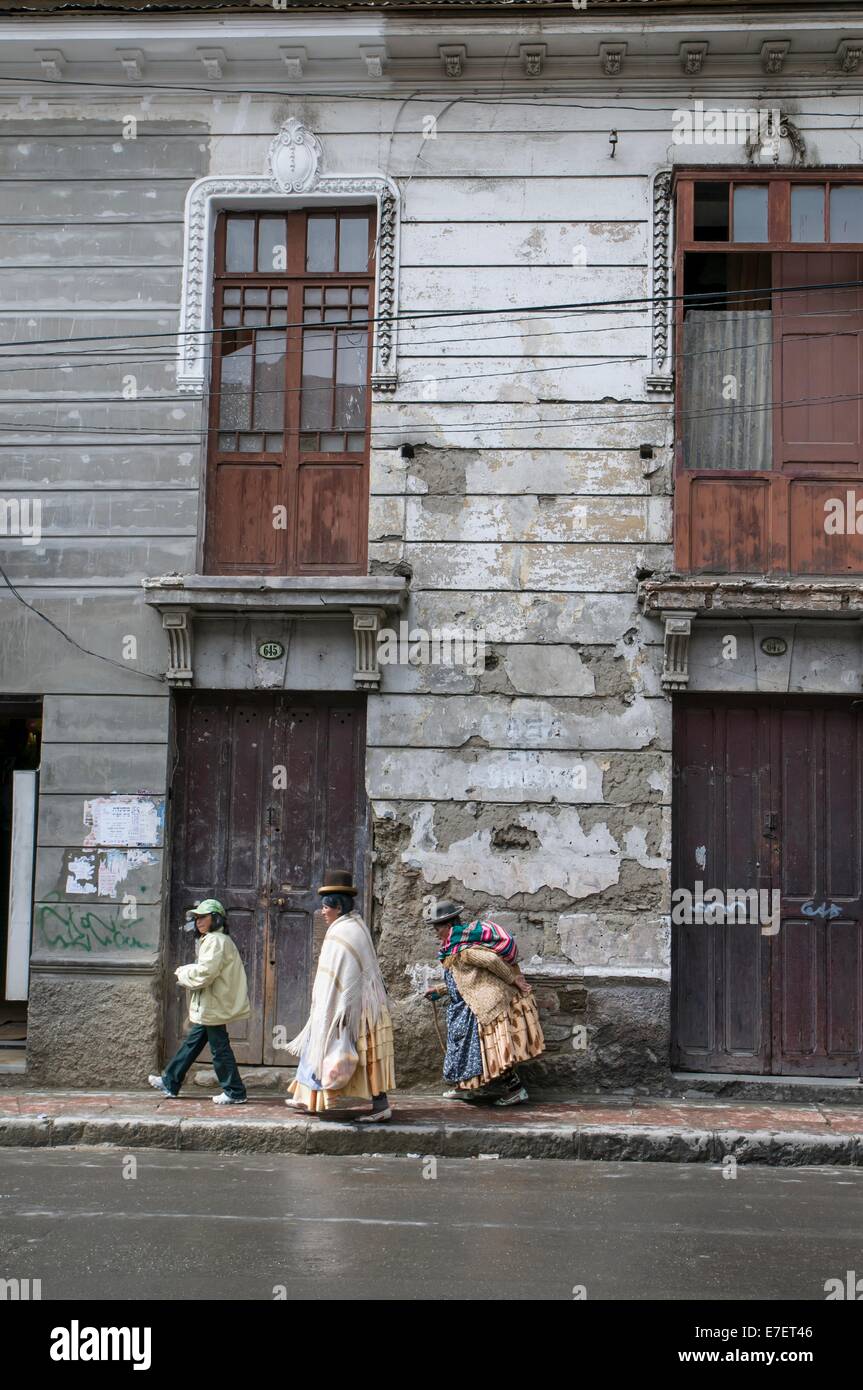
(783,146)
(294,158)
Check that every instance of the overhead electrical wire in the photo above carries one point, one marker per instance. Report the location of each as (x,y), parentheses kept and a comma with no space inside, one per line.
(661,414)
(520,335)
(246,389)
(424,315)
(123,666)
(838,86)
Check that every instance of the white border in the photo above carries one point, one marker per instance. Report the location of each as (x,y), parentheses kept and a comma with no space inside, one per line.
(207,196)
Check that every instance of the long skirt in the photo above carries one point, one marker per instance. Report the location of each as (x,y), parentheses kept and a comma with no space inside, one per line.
(374,1072)
(463,1060)
(514,1037)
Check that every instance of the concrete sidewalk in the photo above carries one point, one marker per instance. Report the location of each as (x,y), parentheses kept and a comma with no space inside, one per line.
(611,1128)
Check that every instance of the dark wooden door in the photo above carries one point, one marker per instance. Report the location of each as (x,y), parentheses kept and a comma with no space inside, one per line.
(268,792)
(768,796)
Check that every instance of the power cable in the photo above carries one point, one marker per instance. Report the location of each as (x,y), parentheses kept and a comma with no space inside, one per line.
(130,670)
(423,315)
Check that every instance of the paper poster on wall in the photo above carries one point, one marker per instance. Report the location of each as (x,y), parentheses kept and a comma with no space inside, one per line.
(125,821)
(103,872)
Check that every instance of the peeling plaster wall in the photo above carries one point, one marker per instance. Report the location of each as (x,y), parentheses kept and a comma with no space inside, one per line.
(536,790)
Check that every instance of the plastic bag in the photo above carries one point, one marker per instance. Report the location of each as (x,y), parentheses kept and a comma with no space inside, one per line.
(340,1062)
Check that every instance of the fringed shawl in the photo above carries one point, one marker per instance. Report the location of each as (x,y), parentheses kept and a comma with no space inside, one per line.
(348,992)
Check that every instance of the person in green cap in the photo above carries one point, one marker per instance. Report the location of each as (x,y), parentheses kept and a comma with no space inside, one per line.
(220,995)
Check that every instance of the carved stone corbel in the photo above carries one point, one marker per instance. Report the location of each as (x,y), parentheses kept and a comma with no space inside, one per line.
(773,55)
(453,58)
(52,61)
(178,625)
(215,63)
(367,623)
(375,60)
(132,61)
(675,666)
(532,57)
(849,54)
(611,56)
(295,60)
(692,56)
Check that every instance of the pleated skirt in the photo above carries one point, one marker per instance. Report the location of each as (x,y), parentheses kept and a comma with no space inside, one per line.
(375,1070)
(514,1037)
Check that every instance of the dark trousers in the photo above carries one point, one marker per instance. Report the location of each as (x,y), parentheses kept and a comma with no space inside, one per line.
(224,1061)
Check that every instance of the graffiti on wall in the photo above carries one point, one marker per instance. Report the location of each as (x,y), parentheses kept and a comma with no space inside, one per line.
(68,926)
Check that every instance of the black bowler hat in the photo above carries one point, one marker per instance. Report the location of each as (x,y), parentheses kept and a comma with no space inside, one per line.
(338,881)
(445,911)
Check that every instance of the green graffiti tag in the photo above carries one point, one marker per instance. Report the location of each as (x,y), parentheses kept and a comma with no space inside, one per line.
(70,927)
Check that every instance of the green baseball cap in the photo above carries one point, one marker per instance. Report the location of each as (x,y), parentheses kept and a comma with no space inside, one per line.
(208,905)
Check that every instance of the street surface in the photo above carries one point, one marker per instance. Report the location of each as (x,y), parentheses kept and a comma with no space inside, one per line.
(204,1226)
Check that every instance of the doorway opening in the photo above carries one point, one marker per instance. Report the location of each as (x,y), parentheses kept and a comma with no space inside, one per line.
(268,794)
(768,810)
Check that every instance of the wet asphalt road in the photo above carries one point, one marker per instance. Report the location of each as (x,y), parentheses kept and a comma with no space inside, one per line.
(208,1226)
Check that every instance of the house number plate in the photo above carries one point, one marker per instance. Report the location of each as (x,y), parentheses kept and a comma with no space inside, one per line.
(774,646)
(271,651)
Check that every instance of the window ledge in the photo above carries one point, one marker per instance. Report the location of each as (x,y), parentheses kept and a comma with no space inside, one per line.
(214,595)
(677,600)
(184,598)
(751,596)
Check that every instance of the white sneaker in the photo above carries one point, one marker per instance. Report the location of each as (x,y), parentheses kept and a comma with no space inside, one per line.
(512,1097)
(158,1085)
(225,1099)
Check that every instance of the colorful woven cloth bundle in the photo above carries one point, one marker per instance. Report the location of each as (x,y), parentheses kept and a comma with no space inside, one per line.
(487,934)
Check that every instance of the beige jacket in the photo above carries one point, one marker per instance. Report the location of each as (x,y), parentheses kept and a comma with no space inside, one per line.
(217,980)
(484,981)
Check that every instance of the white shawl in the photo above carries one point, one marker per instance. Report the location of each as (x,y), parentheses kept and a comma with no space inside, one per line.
(348,991)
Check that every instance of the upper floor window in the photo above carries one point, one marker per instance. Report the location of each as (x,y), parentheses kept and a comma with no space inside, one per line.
(769,348)
(741,211)
(287,486)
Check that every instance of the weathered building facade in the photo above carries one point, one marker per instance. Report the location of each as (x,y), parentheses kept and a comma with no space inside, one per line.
(417,429)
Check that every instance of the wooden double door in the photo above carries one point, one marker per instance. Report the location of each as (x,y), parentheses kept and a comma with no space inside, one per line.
(769,795)
(267,794)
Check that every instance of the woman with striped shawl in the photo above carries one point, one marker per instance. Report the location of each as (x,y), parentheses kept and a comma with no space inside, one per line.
(493,1022)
